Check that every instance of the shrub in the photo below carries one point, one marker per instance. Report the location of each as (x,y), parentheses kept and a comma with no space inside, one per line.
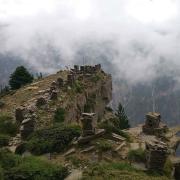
(7,126)
(8,159)
(20,77)
(17,168)
(4,140)
(1,173)
(137,155)
(54,139)
(59,115)
(168,168)
(104,145)
(34,168)
(78,87)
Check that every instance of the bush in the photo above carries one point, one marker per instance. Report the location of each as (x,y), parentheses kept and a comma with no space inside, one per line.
(1,173)
(8,159)
(17,168)
(20,77)
(54,139)
(59,115)
(78,87)
(34,168)
(137,155)
(7,126)
(103,145)
(168,168)
(4,140)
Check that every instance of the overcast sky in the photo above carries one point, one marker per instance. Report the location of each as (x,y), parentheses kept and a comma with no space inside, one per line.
(143,32)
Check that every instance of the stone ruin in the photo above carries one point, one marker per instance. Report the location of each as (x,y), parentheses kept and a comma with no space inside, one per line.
(70,79)
(156,155)
(153,125)
(27,126)
(87,124)
(60,82)
(89,132)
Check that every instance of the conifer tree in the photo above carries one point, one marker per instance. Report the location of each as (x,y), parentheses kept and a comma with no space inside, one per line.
(20,77)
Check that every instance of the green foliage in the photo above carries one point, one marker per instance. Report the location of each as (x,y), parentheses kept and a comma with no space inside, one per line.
(137,155)
(103,145)
(95,78)
(20,77)
(114,171)
(59,115)
(54,139)
(17,168)
(1,173)
(4,140)
(168,168)
(8,159)
(7,126)
(123,122)
(78,87)
(34,168)
(110,128)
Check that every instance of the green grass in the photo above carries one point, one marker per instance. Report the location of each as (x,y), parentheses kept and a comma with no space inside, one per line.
(7,126)
(116,171)
(4,140)
(103,145)
(14,167)
(59,115)
(137,155)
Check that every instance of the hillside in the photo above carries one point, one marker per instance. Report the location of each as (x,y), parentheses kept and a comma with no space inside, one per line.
(62,124)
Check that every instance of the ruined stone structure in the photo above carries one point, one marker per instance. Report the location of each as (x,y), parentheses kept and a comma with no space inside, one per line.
(156,155)
(27,126)
(88,124)
(153,125)
(60,82)
(70,79)
(89,132)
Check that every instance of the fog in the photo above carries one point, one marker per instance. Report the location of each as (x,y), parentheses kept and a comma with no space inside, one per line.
(49,34)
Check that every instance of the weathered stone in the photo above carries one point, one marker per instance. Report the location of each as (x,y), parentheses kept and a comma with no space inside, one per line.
(86,139)
(76,68)
(118,137)
(153,125)
(156,155)
(54,95)
(87,124)
(120,146)
(69,152)
(19,114)
(27,128)
(60,82)
(70,79)
(41,101)
(86,150)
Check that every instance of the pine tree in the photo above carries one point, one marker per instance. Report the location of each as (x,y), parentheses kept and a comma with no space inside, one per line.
(123,122)
(20,77)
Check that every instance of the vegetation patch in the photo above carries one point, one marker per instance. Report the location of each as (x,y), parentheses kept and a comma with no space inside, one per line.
(4,140)
(103,145)
(111,128)
(54,139)
(78,87)
(137,155)
(7,126)
(59,115)
(17,168)
(113,171)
